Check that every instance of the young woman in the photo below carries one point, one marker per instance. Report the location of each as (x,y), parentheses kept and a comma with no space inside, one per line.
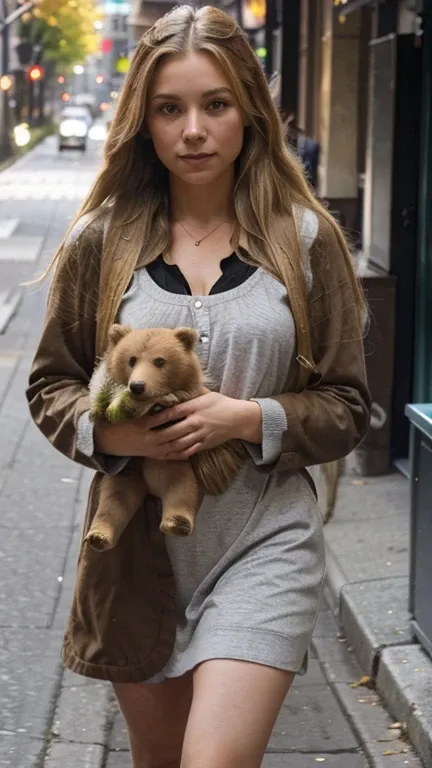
(201,217)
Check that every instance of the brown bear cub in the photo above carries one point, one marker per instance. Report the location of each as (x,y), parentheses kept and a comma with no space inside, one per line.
(144,371)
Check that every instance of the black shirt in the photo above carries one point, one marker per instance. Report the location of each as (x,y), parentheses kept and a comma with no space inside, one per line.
(171,279)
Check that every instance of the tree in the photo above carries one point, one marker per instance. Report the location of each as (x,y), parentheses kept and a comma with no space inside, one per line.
(65,30)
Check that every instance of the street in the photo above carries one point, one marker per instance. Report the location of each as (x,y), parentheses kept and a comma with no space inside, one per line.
(49,717)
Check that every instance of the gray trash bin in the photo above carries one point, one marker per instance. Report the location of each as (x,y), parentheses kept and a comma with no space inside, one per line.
(420,591)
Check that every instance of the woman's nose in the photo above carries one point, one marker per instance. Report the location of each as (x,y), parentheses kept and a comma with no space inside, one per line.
(194,128)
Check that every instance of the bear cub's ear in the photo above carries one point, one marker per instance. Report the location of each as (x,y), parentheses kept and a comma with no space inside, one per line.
(117,332)
(188,337)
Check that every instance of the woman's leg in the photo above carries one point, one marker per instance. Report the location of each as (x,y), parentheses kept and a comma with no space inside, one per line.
(234,708)
(156,716)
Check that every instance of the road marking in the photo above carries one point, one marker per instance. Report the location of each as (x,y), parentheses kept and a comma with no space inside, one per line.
(45,185)
(21,248)
(7,227)
(9,303)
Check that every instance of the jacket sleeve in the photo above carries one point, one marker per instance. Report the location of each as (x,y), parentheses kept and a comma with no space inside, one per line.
(327,420)
(65,357)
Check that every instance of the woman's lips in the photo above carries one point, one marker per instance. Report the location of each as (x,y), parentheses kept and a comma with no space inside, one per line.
(197,159)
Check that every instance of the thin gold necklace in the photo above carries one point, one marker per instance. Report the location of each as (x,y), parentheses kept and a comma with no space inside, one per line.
(197,242)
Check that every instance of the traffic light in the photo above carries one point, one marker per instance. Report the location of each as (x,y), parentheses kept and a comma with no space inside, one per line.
(35,72)
(60,79)
(99,79)
(65,96)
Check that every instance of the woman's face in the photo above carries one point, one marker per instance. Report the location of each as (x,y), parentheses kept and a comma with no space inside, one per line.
(193,118)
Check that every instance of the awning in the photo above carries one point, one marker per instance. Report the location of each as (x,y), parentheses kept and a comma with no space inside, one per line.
(354,5)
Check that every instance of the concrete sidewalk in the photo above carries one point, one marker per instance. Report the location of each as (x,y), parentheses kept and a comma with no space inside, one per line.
(367,588)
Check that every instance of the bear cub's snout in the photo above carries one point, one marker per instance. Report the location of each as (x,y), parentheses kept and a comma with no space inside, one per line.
(137,387)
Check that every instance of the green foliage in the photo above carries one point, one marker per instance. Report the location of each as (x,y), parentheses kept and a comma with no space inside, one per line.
(65,29)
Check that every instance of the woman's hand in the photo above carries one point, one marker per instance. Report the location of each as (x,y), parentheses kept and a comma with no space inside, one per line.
(207,421)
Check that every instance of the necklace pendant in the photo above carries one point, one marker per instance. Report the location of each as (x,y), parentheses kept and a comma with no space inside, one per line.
(197,242)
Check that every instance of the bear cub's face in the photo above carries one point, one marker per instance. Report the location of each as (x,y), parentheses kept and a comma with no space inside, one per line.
(153,362)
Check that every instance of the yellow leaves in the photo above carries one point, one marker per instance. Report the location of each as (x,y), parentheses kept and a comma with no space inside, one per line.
(365,681)
(74,20)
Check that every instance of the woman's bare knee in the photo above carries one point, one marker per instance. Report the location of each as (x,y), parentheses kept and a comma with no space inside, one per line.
(156,716)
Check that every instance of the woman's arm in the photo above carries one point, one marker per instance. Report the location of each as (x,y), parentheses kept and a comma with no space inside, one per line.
(328,419)
(63,364)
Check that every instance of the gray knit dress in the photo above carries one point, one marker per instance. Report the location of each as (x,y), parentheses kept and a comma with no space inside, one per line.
(248,580)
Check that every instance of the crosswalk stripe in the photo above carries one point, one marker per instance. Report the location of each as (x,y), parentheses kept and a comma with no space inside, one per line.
(45,185)
(7,227)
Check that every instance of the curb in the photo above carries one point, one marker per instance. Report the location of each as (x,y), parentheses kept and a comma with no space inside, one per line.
(393,666)
(9,304)
(334,582)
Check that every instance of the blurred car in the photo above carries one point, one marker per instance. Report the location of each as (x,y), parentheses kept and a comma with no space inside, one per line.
(75,122)
(77,112)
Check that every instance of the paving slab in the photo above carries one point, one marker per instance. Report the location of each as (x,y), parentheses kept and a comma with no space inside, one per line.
(81,713)
(328,650)
(374,615)
(326,625)
(369,498)
(311,721)
(39,500)
(405,683)
(119,760)
(371,549)
(30,667)
(74,755)
(314,675)
(31,570)
(118,740)
(347,671)
(351,760)
(19,751)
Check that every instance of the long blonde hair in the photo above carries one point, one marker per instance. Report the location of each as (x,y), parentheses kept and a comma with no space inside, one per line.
(269,182)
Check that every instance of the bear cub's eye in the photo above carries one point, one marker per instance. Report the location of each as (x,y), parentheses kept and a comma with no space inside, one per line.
(159,362)
(132,361)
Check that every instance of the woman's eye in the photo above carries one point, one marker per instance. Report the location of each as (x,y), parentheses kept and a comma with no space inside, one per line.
(159,362)
(132,361)
(168,109)
(218,106)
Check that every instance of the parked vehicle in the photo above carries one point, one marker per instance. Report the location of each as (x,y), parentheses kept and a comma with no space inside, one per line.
(75,122)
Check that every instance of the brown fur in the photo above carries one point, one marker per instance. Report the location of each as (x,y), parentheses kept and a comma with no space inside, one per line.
(179,484)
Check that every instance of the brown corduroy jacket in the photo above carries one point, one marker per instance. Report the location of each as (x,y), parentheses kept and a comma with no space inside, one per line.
(122,622)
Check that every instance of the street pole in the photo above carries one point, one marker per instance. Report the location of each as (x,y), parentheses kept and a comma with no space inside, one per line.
(6,21)
(290,57)
(270,26)
(239,12)
(5,143)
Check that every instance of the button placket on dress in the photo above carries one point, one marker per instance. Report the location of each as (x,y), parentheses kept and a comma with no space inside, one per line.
(202,324)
